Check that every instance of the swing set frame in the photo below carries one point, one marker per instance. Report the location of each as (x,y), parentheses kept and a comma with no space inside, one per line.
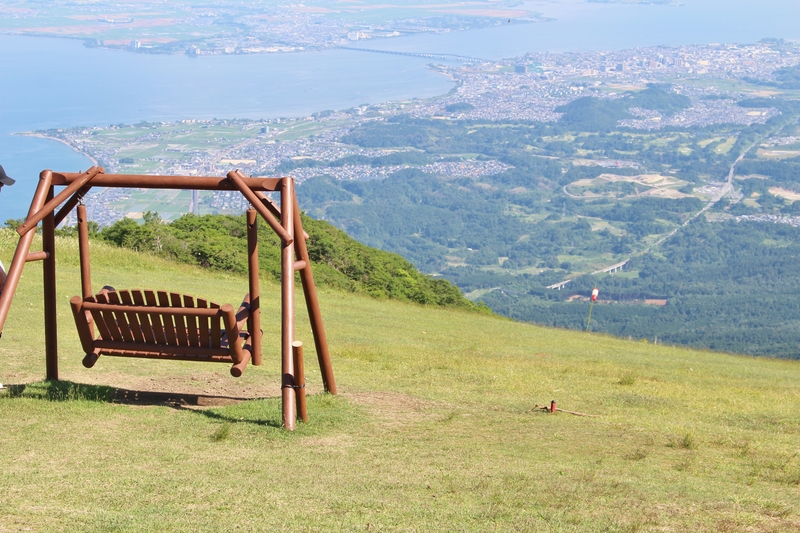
(50,209)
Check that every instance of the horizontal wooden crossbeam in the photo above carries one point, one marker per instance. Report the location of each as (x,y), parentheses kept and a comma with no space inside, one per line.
(198,183)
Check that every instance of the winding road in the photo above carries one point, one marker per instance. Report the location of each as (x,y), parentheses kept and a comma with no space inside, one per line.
(725,191)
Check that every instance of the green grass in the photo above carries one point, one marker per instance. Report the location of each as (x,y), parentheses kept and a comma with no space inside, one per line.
(726,146)
(435,428)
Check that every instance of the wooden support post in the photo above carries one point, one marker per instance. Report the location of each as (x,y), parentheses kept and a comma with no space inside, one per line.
(50,298)
(24,246)
(300,380)
(312,305)
(83,250)
(254,319)
(287,304)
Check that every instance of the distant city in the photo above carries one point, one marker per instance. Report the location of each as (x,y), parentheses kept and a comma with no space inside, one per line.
(224,27)
(527,88)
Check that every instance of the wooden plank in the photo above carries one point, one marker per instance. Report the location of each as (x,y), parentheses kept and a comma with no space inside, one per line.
(147,348)
(107,317)
(216,327)
(169,324)
(144,318)
(155,318)
(191,322)
(180,321)
(150,298)
(120,315)
(133,318)
(97,317)
(172,311)
(205,339)
(216,331)
(168,357)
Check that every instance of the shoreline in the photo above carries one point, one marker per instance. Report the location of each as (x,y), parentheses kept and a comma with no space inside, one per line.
(62,141)
(94,161)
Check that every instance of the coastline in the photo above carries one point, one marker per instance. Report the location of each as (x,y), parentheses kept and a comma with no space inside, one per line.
(62,141)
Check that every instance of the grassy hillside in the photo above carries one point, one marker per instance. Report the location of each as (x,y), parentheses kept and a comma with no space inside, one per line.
(220,242)
(434,430)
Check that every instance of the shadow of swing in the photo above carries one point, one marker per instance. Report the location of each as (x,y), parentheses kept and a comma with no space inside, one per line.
(66,391)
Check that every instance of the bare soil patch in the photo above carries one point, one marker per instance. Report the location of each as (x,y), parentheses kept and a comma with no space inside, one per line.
(792,196)
(393,409)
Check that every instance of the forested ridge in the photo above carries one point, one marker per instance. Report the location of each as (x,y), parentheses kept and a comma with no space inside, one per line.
(730,286)
(220,242)
(551,216)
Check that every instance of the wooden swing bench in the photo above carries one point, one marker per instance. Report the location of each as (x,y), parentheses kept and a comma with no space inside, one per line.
(165,325)
(161,325)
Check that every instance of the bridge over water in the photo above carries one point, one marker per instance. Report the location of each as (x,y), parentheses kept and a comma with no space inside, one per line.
(430,55)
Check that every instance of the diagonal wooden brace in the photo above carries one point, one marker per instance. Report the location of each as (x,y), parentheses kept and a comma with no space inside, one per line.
(239,181)
(34,219)
(67,208)
(274,209)
(312,304)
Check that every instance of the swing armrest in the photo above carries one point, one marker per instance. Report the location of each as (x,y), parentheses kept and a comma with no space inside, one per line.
(82,321)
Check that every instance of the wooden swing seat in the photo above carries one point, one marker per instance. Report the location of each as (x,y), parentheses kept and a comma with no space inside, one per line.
(161,325)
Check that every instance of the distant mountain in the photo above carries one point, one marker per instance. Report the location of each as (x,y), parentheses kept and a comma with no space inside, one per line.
(602,114)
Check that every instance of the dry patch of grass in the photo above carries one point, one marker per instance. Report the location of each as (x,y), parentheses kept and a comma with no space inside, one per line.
(612,186)
(792,196)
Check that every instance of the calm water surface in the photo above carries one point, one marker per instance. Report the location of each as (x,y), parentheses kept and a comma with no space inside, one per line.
(581,25)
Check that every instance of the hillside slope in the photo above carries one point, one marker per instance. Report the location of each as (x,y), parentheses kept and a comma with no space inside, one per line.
(220,242)
(435,428)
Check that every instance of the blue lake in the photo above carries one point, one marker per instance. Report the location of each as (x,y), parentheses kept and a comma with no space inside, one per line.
(580,25)
(52,83)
